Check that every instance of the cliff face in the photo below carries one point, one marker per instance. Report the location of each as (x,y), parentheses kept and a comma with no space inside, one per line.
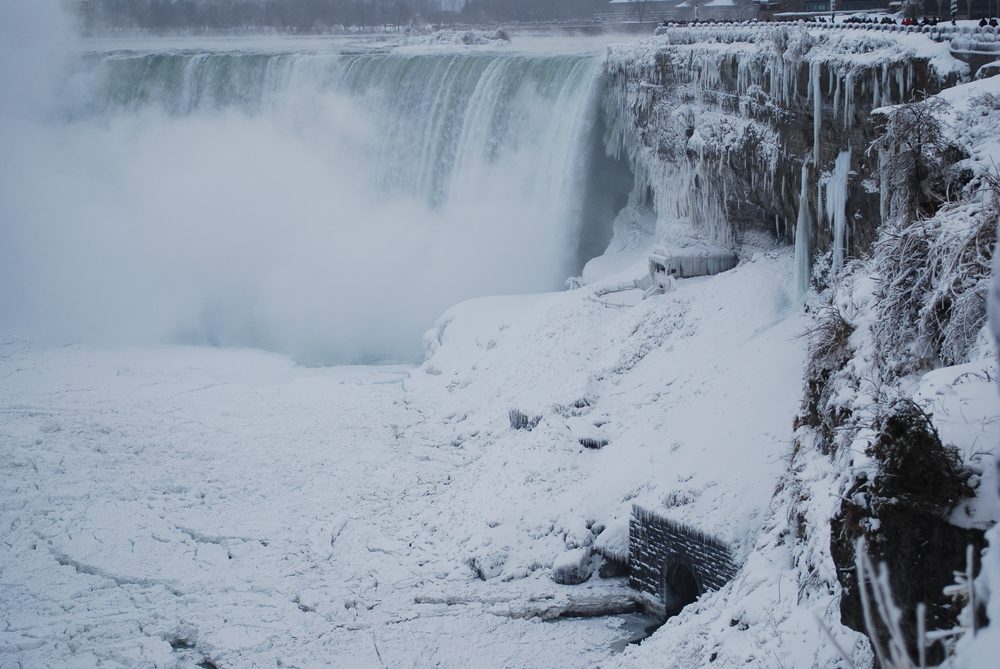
(766,128)
(749,131)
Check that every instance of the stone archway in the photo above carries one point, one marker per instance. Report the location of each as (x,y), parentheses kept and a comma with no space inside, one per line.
(678,587)
(674,562)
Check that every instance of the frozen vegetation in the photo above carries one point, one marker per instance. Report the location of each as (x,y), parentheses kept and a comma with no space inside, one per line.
(189,233)
(464,37)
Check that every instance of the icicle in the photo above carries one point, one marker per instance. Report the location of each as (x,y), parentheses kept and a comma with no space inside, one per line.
(803,233)
(883,186)
(886,86)
(836,207)
(817,96)
(820,214)
(849,100)
(836,93)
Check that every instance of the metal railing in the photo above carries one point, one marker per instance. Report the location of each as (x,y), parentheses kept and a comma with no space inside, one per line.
(972,39)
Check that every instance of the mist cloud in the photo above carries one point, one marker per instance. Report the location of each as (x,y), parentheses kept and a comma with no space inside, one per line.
(230,227)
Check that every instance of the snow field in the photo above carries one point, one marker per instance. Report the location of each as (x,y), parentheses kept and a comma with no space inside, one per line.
(250,511)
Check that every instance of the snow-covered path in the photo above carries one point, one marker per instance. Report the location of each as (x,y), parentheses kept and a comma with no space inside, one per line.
(168,506)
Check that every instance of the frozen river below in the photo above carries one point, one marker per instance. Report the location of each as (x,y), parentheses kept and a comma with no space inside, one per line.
(178,505)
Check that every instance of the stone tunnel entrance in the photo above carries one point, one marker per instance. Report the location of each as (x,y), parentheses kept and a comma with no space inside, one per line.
(673,562)
(679,587)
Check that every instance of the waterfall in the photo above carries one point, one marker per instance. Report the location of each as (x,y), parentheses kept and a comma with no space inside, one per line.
(444,119)
(327,205)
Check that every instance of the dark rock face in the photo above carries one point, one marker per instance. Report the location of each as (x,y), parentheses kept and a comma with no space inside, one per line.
(901,515)
(921,552)
(612,568)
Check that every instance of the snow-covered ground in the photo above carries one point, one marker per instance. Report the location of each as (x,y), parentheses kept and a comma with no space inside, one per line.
(251,511)
(226,500)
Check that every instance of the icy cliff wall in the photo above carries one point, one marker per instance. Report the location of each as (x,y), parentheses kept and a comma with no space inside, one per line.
(766,128)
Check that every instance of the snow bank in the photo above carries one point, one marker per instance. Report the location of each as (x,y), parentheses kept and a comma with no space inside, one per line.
(652,378)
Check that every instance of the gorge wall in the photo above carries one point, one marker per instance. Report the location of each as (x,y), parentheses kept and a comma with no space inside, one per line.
(766,128)
(741,131)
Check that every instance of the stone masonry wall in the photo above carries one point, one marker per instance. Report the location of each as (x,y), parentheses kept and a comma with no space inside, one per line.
(657,543)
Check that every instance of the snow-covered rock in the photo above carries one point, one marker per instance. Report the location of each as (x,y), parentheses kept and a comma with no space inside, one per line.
(573,567)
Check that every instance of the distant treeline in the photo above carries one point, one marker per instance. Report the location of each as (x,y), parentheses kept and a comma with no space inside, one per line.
(308,15)
(223,14)
(531,10)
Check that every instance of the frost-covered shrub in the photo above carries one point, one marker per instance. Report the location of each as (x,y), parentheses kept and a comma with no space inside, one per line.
(466,37)
(829,352)
(915,159)
(914,468)
(522,421)
(934,276)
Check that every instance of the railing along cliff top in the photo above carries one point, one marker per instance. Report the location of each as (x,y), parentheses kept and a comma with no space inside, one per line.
(984,39)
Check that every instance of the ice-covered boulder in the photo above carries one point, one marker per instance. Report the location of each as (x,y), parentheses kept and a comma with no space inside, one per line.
(573,567)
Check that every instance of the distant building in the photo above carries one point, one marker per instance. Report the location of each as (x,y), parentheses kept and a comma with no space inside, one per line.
(822,6)
(654,11)
(973,9)
(452,5)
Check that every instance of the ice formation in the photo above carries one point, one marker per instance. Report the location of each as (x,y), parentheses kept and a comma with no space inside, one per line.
(836,207)
(803,236)
(711,98)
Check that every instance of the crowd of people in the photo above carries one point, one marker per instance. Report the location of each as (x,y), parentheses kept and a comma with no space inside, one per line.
(885,20)
(922,22)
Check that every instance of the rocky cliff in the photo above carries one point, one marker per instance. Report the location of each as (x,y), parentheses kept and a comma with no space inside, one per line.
(766,128)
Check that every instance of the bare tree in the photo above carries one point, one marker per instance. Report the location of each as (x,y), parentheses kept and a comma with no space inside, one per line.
(912,9)
(913,153)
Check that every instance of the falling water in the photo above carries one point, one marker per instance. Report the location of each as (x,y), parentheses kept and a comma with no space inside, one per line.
(327,205)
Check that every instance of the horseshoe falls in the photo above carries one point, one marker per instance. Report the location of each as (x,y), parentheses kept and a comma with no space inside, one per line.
(321,204)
